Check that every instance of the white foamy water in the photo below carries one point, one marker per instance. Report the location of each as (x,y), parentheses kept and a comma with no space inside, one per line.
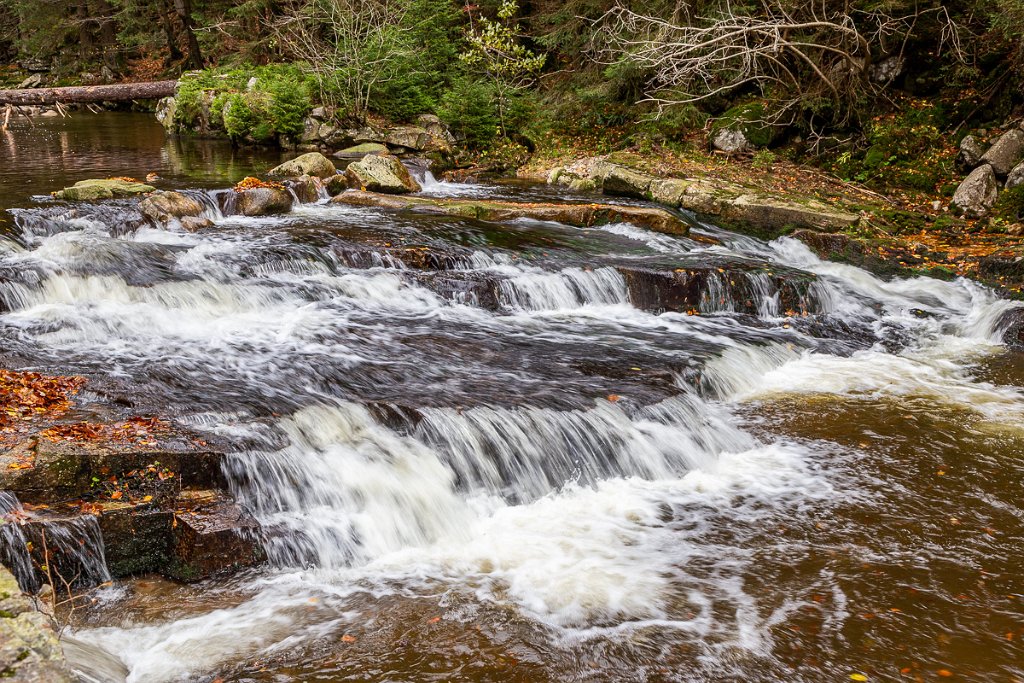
(590,522)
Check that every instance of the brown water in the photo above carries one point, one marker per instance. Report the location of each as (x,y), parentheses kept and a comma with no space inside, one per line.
(585,489)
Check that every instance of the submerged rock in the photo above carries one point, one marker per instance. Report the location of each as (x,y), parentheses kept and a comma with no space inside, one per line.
(91,190)
(977,193)
(313,163)
(583,215)
(381,174)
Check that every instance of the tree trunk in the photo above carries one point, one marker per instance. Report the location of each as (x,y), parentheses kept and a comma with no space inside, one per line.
(173,51)
(184,9)
(86,45)
(93,93)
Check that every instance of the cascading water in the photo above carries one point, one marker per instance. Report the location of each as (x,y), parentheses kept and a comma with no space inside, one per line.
(595,491)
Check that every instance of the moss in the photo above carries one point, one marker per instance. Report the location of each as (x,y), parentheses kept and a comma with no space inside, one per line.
(276,104)
(750,118)
(1010,205)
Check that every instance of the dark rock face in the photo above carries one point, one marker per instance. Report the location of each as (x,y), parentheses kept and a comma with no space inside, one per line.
(212,534)
(1011,326)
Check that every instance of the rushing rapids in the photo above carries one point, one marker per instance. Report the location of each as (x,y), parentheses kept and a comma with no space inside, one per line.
(528,451)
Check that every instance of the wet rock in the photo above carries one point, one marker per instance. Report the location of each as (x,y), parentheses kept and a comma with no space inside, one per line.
(306,188)
(262,201)
(29,649)
(624,182)
(1011,328)
(435,128)
(211,534)
(971,151)
(978,192)
(583,215)
(335,185)
(41,470)
(91,190)
(165,111)
(381,174)
(36,80)
(136,539)
(1007,152)
(1016,177)
(160,208)
(313,163)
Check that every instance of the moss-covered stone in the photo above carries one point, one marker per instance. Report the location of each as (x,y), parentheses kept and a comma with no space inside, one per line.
(751,120)
(92,190)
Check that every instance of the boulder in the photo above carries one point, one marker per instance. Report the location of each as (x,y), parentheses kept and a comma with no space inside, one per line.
(971,151)
(743,128)
(731,141)
(91,190)
(36,80)
(360,151)
(625,182)
(412,138)
(1007,152)
(381,174)
(433,125)
(310,131)
(1011,328)
(1016,176)
(165,110)
(29,649)
(163,207)
(262,201)
(313,163)
(335,185)
(977,193)
(306,188)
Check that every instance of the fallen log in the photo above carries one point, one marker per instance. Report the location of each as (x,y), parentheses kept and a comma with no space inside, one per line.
(119,92)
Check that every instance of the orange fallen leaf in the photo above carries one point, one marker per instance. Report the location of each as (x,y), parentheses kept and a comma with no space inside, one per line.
(945,673)
(434,620)
(348,639)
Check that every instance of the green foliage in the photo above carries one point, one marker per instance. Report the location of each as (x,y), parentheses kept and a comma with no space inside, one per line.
(1010,205)
(276,105)
(495,47)
(468,109)
(906,148)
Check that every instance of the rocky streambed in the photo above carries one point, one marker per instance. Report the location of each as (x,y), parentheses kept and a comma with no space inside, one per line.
(371,424)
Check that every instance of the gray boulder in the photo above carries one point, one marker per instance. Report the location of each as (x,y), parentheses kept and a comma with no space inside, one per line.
(313,163)
(412,138)
(1016,176)
(165,110)
(384,173)
(263,201)
(977,193)
(1007,152)
(161,207)
(971,151)
(731,141)
(360,151)
(306,188)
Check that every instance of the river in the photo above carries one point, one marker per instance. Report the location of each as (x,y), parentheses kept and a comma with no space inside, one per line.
(508,465)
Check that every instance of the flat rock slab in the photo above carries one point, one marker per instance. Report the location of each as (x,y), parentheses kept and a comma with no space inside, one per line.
(91,190)
(581,215)
(41,470)
(211,534)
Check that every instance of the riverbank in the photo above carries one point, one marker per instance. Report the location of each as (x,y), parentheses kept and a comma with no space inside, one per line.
(900,233)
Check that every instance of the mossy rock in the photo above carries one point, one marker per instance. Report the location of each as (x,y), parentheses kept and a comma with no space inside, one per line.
(750,119)
(92,190)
